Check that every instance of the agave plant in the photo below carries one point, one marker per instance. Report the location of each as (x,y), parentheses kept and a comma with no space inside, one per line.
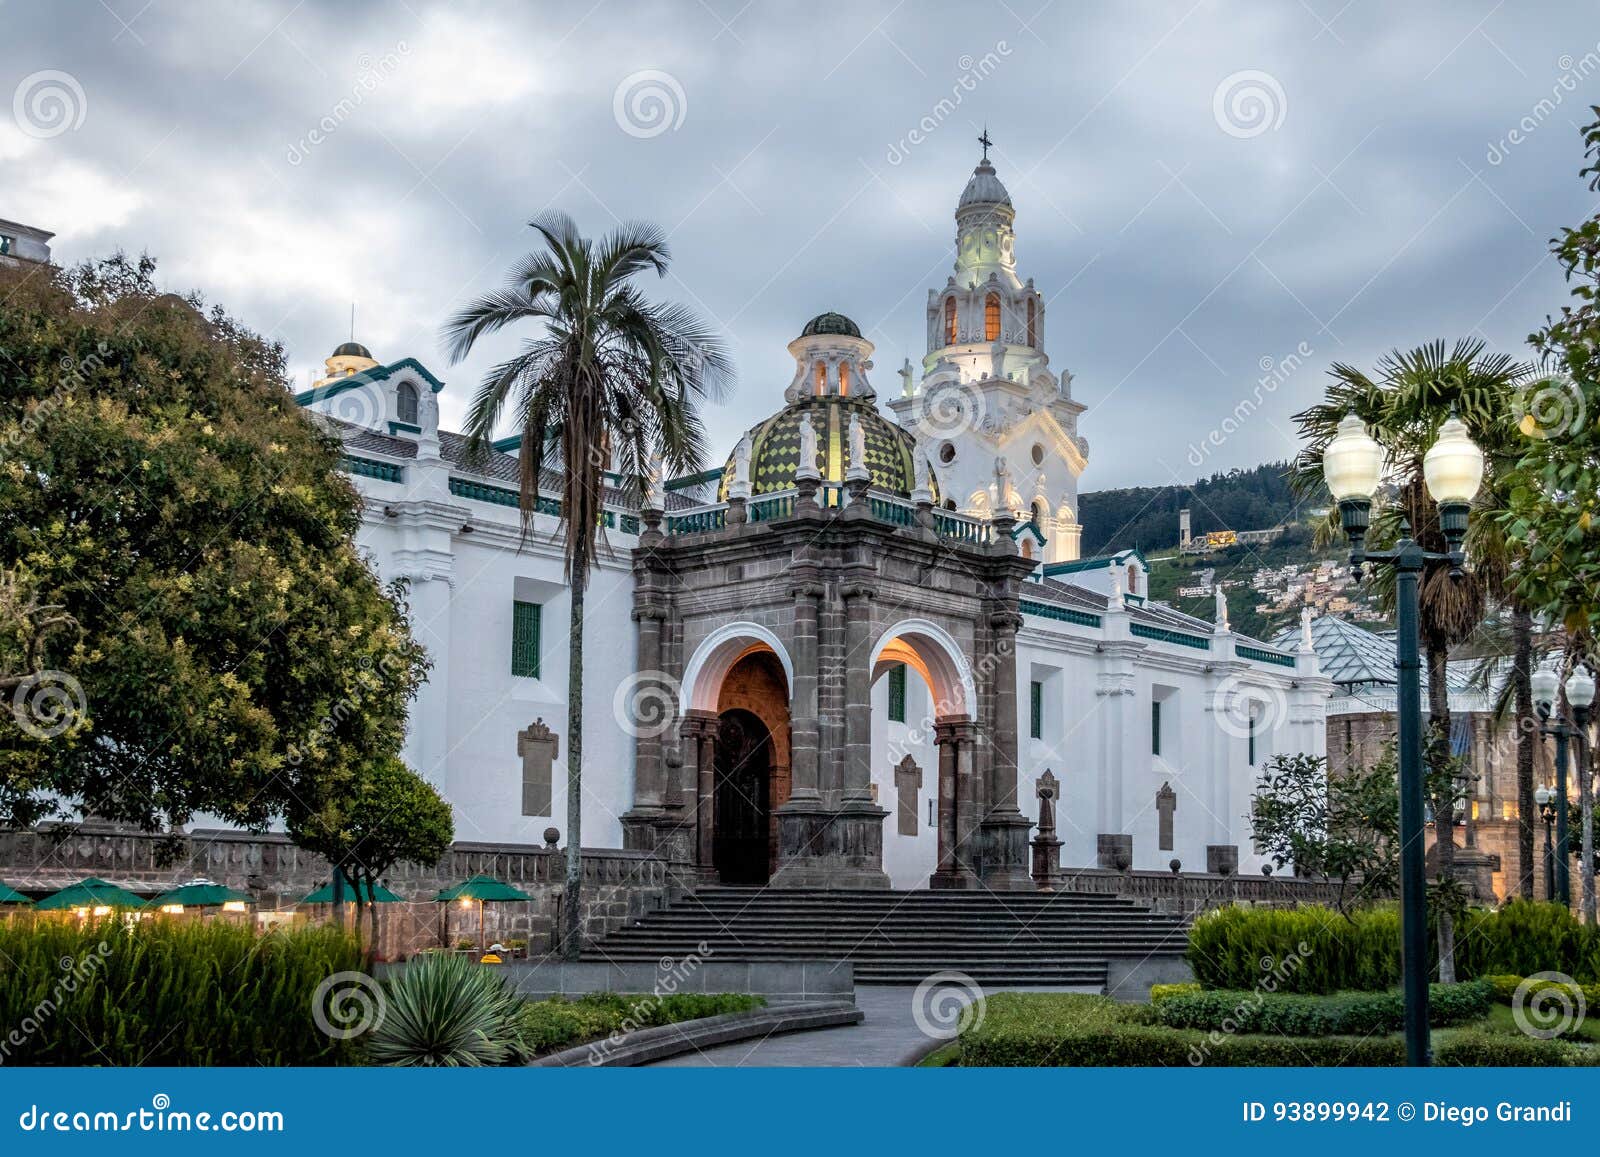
(446,1011)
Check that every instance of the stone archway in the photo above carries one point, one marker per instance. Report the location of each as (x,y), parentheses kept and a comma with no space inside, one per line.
(736,743)
(929,650)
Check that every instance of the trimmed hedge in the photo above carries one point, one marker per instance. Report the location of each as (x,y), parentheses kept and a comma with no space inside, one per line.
(1160,992)
(1070,1029)
(167,993)
(1318,950)
(551,1025)
(1345,1013)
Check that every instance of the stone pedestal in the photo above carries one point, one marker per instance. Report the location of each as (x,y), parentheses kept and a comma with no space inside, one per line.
(830,847)
(1222,859)
(1047,873)
(1003,856)
(1113,851)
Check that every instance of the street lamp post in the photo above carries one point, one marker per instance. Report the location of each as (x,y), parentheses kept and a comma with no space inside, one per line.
(1580,696)
(1452,469)
(1547,812)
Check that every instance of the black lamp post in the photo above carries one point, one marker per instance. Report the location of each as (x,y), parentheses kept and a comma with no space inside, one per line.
(1580,695)
(1352,464)
(1545,798)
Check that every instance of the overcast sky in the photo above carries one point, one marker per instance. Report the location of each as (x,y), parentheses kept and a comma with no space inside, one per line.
(1201,190)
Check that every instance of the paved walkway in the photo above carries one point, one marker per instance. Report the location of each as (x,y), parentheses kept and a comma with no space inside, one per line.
(890,1035)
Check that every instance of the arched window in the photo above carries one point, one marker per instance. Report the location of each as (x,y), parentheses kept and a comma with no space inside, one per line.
(949,321)
(822,379)
(1040,511)
(991,317)
(1027,548)
(405,405)
(844,379)
(1033,325)
(1133,579)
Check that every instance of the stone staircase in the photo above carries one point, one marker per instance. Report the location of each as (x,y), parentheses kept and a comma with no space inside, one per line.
(998,939)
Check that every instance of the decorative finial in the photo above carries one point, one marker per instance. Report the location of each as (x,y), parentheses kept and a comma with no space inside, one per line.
(985,142)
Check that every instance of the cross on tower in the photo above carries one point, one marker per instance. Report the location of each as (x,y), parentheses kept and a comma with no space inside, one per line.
(985,142)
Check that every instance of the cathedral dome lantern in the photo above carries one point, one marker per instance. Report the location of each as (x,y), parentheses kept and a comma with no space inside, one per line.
(829,390)
(349,359)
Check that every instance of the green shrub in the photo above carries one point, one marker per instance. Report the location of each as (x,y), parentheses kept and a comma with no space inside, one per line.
(1345,1013)
(166,992)
(1524,937)
(1061,1029)
(1472,1048)
(1069,1029)
(552,1025)
(1316,950)
(447,1011)
(1160,992)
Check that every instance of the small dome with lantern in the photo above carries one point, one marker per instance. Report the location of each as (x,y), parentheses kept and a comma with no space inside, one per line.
(829,389)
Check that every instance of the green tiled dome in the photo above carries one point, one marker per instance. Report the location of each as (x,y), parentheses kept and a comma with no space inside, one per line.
(830,323)
(775,446)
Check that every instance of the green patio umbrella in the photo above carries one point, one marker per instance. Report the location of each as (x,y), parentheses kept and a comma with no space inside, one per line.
(200,894)
(90,893)
(482,889)
(378,895)
(11,895)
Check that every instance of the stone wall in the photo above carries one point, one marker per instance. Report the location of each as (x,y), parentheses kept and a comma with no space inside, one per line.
(617,885)
(1191,893)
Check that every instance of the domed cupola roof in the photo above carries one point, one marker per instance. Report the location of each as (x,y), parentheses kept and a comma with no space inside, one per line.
(775,446)
(984,188)
(353,349)
(830,322)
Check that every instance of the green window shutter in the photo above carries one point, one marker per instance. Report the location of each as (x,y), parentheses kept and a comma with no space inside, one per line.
(1036,709)
(525,639)
(1155,727)
(1251,731)
(897,693)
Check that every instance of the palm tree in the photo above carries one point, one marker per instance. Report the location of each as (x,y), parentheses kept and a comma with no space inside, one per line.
(1404,404)
(610,381)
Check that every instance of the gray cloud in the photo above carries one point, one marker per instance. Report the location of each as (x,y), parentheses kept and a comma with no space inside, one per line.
(288,159)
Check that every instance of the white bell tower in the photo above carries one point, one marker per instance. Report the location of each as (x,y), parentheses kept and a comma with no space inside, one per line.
(987,393)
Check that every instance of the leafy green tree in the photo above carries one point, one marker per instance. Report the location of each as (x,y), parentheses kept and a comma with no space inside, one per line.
(610,381)
(387,815)
(1411,395)
(160,488)
(1344,827)
(1553,499)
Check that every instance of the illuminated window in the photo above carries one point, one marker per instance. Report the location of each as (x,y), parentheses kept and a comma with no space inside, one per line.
(822,379)
(1033,331)
(949,321)
(844,378)
(991,317)
(1133,580)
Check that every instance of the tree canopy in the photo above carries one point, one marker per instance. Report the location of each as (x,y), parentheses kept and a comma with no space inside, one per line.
(229,648)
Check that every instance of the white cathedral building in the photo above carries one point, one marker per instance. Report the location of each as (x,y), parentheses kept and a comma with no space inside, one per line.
(870,660)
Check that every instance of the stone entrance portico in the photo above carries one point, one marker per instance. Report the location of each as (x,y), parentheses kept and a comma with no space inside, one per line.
(836,585)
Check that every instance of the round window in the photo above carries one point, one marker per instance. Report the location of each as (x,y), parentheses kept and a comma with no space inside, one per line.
(947,453)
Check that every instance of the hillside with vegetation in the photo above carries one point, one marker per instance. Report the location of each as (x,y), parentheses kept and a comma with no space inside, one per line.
(1147,516)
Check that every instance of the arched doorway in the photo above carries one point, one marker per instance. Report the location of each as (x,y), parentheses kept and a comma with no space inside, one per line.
(929,650)
(737,730)
(741,842)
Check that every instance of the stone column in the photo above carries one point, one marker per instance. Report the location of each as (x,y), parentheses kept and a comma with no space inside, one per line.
(1004,859)
(649,787)
(858,692)
(803,695)
(953,736)
(699,733)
